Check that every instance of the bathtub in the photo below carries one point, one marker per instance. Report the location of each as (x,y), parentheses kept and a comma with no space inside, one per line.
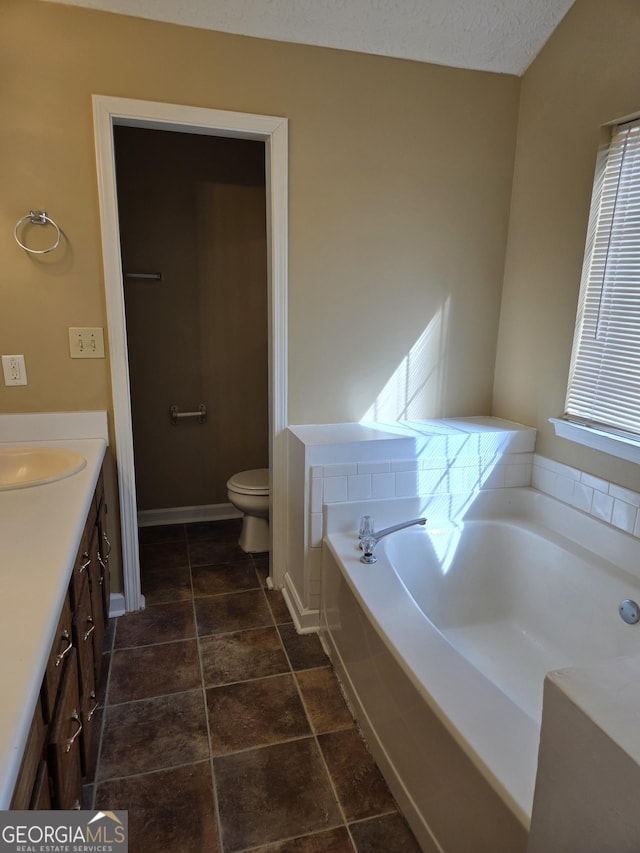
(442,647)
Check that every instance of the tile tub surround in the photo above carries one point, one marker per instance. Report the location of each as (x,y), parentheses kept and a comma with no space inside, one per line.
(597,497)
(253,747)
(350,463)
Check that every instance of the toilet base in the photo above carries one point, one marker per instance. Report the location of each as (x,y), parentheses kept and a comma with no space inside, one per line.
(254,536)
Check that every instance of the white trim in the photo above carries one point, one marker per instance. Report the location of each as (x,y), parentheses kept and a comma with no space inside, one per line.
(606,442)
(306,621)
(186,514)
(273,130)
(277,170)
(116,604)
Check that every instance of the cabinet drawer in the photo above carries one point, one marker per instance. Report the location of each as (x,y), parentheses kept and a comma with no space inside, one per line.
(64,742)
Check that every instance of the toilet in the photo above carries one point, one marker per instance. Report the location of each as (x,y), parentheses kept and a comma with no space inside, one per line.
(248,491)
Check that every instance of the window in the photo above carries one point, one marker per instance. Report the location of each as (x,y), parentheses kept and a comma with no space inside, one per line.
(604,379)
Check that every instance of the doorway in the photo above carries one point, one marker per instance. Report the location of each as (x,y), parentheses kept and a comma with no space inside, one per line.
(191,211)
(272,131)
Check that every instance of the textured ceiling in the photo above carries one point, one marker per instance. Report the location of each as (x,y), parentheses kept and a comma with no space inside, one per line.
(488,35)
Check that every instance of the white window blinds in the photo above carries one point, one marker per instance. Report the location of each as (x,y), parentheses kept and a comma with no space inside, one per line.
(604,380)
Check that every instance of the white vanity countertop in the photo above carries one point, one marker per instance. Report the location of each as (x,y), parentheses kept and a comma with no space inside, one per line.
(40,532)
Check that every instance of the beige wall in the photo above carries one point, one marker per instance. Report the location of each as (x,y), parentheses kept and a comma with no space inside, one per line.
(400,179)
(193,208)
(588,74)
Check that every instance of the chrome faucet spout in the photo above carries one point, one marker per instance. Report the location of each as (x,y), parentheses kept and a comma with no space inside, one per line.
(379,534)
(368,543)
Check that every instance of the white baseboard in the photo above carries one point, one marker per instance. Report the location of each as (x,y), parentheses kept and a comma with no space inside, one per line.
(186,514)
(306,621)
(116,605)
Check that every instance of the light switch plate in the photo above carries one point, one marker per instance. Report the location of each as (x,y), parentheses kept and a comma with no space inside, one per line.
(15,372)
(86,342)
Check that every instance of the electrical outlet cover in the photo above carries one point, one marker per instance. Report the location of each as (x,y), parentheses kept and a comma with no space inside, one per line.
(15,372)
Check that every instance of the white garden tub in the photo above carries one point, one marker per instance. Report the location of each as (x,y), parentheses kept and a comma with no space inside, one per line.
(443,644)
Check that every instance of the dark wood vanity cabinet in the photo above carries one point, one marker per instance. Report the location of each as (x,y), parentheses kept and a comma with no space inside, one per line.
(61,749)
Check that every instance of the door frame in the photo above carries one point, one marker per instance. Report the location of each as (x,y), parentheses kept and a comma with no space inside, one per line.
(273,131)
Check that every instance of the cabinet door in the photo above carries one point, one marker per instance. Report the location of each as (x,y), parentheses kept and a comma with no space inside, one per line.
(31,760)
(89,707)
(84,635)
(80,568)
(64,741)
(104,550)
(62,645)
(41,792)
(97,610)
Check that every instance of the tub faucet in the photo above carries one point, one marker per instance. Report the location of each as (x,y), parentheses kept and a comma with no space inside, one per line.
(369,542)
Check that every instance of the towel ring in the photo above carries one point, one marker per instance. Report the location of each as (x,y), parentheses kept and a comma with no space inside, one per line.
(37,217)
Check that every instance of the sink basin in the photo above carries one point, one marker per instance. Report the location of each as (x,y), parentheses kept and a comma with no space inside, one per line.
(32,466)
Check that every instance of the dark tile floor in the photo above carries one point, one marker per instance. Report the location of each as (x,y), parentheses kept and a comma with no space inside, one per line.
(223,729)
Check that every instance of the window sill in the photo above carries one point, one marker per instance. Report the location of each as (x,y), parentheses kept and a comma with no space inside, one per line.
(614,445)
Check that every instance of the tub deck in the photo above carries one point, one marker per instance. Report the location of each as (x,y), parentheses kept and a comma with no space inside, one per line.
(508,657)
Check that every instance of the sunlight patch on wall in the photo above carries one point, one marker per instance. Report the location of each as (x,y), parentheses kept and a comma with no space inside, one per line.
(452,460)
(454,468)
(416,387)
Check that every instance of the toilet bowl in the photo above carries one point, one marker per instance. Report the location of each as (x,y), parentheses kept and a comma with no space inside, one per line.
(248,491)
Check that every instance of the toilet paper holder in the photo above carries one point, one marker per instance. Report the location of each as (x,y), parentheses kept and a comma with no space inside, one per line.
(176,414)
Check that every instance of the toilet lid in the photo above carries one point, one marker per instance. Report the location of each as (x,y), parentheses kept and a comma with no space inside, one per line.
(253,482)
